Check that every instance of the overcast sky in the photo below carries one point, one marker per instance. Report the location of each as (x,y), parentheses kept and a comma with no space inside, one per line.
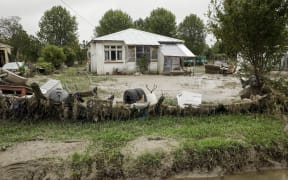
(89,12)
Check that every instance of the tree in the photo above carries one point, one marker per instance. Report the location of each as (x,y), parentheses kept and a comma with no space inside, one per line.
(113,21)
(9,26)
(255,29)
(192,31)
(25,47)
(53,54)
(161,21)
(58,27)
(33,51)
(139,24)
(70,56)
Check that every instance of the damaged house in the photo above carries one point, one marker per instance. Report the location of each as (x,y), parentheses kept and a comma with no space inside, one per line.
(5,51)
(123,51)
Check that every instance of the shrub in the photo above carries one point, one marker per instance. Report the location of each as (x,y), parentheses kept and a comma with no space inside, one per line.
(70,56)
(53,54)
(44,67)
(142,64)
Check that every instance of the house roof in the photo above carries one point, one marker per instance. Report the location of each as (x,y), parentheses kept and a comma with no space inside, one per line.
(5,46)
(179,50)
(138,37)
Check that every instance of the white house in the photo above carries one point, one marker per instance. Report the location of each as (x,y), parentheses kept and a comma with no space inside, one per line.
(5,50)
(119,52)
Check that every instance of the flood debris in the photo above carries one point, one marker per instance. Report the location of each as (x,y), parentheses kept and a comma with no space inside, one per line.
(52,101)
(186,99)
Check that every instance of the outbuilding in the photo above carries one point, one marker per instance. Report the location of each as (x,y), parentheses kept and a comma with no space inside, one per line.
(5,51)
(132,50)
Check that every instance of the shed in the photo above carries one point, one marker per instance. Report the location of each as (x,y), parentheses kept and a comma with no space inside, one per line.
(5,51)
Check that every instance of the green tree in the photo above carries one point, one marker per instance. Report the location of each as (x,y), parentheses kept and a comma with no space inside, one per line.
(192,31)
(161,21)
(32,52)
(82,55)
(139,24)
(255,29)
(25,47)
(53,54)
(58,27)
(70,56)
(113,21)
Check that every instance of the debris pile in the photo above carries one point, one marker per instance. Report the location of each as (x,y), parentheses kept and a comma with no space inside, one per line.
(51,101)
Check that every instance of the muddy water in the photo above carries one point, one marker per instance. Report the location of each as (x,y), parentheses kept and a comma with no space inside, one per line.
(267,175)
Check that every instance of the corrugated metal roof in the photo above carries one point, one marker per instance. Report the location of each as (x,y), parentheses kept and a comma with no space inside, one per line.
(176,50)
(138,37)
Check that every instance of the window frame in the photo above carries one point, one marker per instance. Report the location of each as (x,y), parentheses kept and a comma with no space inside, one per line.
(113,53)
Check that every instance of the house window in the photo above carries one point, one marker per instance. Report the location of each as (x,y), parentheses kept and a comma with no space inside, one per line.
(139,52)
(131,53)
(154,53)
(113,53)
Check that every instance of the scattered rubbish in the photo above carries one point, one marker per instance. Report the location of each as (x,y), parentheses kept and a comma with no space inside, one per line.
(134,95)
(49,86)
(219,67)
(11,77)
(58,95)
(186,98)
(13,84)
(13,66)
(151,97)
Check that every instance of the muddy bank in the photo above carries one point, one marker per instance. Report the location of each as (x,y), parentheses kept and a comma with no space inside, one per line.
(160,161)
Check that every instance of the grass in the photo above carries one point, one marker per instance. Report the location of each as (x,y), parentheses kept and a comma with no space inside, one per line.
(113,135)
(73,79)
(204,142)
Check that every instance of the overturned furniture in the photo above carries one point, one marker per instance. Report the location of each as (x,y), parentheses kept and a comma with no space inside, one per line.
(13,84)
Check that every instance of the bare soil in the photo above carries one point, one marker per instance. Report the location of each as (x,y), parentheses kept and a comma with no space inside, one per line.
(33,150)
(213,87)
(151,144)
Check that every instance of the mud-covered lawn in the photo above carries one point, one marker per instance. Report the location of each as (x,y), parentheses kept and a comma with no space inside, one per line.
(214,88)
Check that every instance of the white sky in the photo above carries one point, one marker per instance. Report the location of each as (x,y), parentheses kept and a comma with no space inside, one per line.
(89,12)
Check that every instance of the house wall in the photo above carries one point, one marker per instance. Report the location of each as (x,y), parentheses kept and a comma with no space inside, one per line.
(153,67)
(100,66)
(92,57)
(160,62)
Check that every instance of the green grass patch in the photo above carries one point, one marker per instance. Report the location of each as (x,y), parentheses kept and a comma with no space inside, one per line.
(73,79)
(202,132)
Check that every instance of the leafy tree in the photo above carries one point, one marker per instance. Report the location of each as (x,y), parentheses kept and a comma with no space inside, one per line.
(161,21)
(33,51)
(192,31)
(82,55)
(113,21)
(70,56)
(9,26)
(139,24)
(53,54)
(25,47)
(255,29)
(58,27)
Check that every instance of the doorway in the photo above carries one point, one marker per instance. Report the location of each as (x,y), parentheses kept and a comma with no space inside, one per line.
(2,58)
